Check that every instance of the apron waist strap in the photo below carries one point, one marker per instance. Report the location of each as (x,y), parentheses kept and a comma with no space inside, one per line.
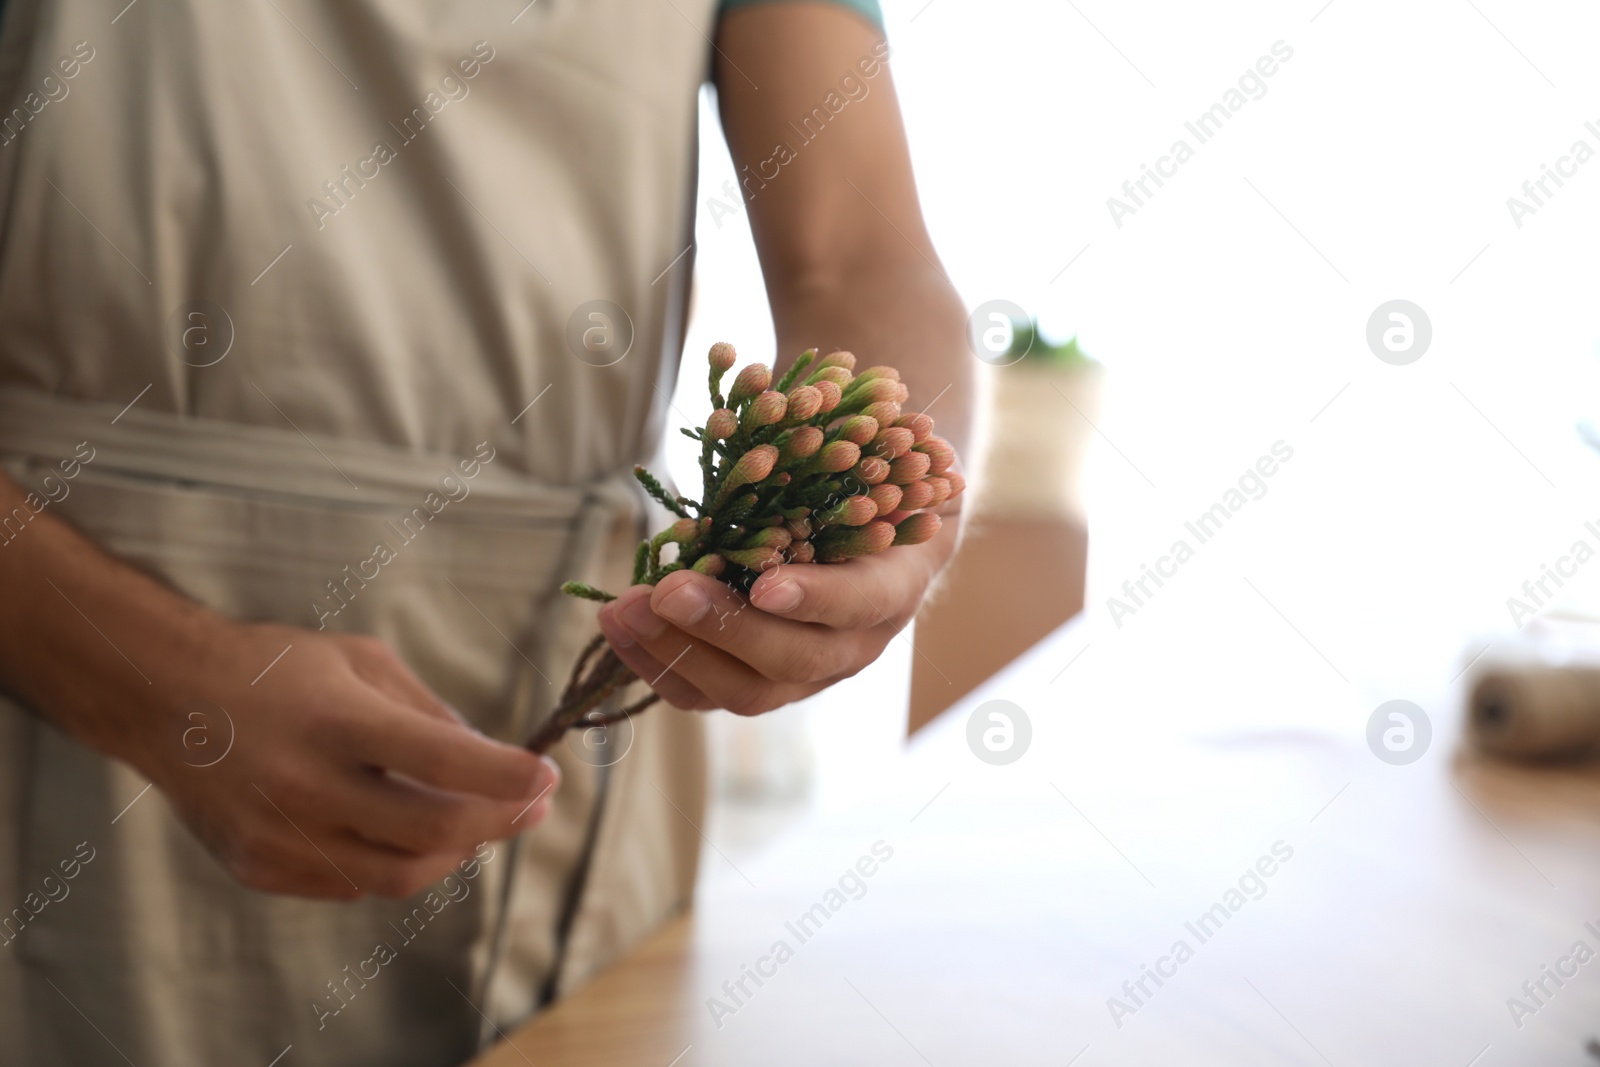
(268,461)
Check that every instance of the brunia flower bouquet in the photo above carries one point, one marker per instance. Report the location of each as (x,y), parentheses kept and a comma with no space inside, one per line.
(819,467)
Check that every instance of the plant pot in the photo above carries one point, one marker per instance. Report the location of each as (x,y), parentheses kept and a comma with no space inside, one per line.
(1042,418)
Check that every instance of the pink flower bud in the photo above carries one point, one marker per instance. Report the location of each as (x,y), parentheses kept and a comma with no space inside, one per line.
(885,411)
(870,373)
(836,456)
(872,469)
(801,444)
(722,424)
(920,425)
(711,565)
(875,390)
(799,529)
(753,466)
(941,490)
(940,454)
(908,468)
(858,429)
(722,357)
(757,559)
(765,410)
(958,484)
(851,511)
(917,529)
(841,358)
(844,543)
(804,402)
(831,395)
(892,443)
(771,537)
(915,496)
(802,552)
(837,375)
(683,531)
(751,381)
(886,497)
(901,393)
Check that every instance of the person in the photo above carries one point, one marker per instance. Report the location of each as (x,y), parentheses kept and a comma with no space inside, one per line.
(303,421)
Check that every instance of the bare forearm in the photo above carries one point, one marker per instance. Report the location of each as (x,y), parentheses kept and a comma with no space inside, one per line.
(84,636)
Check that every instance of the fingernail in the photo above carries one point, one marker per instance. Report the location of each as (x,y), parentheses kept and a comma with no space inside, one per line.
(781,598)
(686,605)
(645,624)
(612,627)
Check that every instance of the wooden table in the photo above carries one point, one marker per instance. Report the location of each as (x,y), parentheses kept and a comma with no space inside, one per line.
(1163,768)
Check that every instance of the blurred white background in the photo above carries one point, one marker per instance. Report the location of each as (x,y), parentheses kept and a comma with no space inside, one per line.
(1231,313)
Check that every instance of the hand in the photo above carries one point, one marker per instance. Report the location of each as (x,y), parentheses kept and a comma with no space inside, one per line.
(804,627)
(346,776)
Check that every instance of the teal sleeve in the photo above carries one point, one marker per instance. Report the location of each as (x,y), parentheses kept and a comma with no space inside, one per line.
(867,9)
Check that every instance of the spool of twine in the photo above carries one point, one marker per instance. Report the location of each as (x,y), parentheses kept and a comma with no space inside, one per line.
(1537,712)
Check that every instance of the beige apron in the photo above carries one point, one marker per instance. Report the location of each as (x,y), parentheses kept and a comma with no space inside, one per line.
(378,321)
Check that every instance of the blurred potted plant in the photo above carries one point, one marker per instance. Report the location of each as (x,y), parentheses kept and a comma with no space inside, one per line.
(1046,397)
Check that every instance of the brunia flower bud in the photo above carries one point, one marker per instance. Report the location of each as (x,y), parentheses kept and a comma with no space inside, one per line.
(901,393)
(722,357)
(915,496)
(765,410)
(841,358)
(757,559)
(920,425)
(802,444)
(885,411)
(908,468)
(752,467)
(836,456)
(940,454)
(837,375)
(872,469)
(772,537)
(751,381)
(941,490)
(802,552)
(917,529)
(892,443)
(878,372)
(876,389)
(886,497)
(844,543)
(858,429)
(831,395)
(958,484)
(804,402)
(851,511)
(683,531)
(711,565)
(799,529)
(722,424)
